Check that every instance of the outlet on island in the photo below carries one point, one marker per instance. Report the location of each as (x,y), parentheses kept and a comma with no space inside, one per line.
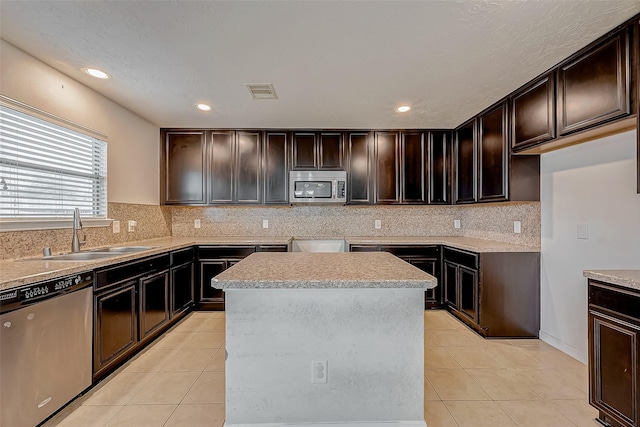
(319,373)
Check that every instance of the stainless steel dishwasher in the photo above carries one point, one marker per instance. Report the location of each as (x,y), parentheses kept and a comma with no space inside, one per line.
(45,347)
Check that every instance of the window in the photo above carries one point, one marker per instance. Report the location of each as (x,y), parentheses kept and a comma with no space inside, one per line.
(47,170)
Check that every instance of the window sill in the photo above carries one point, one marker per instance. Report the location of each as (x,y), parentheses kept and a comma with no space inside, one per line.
(49,224)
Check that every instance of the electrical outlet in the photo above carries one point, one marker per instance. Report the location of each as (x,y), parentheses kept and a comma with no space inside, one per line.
(265,223)
(319,373)
(456,223)
(583,231)
(131,226)
(378,224)
(116,227)
(517,227)
(197,223)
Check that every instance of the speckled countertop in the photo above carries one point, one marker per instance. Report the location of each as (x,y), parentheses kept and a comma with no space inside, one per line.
(466,243)
(304,270)
(17,272)
(20,272)
(625,278)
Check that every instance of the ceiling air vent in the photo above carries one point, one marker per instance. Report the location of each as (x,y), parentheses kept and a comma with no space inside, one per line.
(261,90)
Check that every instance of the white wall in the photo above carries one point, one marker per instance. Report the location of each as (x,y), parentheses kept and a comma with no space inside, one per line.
(592,183)
(133,147)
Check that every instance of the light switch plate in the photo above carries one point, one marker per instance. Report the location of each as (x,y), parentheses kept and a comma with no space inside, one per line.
(197,223)
(265,223)
(378,224)
(116,227)
(456,223)
(583,231)
(131,226)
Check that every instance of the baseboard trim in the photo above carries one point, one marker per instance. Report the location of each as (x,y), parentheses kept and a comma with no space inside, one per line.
(571,351)
(335,424)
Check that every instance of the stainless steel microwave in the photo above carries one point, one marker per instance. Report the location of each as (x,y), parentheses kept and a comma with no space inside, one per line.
(318,187)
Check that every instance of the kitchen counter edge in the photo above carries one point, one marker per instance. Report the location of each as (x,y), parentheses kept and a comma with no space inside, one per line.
(624,278)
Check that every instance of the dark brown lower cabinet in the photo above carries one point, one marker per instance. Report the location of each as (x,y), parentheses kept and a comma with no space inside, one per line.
(116,324)
(213,260)
(181,289)
(131,308)
(495,293)
(154,302)
(614,354)
(426,257)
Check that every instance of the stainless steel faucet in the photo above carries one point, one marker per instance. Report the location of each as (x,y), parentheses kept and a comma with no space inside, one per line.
(77,225)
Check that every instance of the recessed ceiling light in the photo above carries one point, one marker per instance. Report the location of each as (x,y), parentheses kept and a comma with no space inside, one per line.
(203,107)
(403,109)
(96,73)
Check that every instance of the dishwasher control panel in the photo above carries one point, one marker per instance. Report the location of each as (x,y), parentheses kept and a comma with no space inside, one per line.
(15,298)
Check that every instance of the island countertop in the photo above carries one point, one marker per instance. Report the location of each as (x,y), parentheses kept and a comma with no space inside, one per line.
(303,270)
(625,278)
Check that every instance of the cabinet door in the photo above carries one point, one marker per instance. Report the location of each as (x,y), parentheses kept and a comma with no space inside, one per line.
(359,177)
(304,151)
(468,292)
(248,172)
(276,168)
(533,113)
(181,288)
(432,297)
(493,172)
(439,155)
(414,160)
(465,163)
(154,303)
(330,151)
(451,285)
(208,270)
(614,346)
(387,171)
(116,323)
(593,87)
(184,168)
(221,167)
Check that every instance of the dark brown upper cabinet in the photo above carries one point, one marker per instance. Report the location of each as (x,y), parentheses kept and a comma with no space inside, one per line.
(636,60)
(276,168)
(439,155)
(533,113)
(235,167)
(593,85)
(317,150)
(184,176)
(387,170)
(359,177)
(465,162)
(493,172)
(413,152)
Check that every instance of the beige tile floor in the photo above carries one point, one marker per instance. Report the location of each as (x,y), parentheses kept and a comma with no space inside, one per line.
(469,381)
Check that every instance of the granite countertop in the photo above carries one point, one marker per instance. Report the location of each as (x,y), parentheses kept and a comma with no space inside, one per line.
(303,270)
(625,278)
(465,243)
(16,273)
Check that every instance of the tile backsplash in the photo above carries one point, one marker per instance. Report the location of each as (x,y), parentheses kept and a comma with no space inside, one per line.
(490,221)
(153,221)
(487,221)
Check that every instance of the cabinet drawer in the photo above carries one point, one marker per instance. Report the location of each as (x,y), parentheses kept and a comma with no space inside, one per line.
(121,272)
(216,252)
(412,251)
(467,259)
(619,301)
(182,256)
(364,248)
(273,248)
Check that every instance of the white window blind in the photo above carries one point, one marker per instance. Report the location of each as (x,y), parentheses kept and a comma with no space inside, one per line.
(47,170)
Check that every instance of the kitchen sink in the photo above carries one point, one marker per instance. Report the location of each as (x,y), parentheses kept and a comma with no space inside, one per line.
(92,254)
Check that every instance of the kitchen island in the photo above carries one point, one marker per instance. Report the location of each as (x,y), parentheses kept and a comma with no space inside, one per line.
(324,338)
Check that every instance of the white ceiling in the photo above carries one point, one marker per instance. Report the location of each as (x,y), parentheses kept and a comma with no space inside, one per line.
(334,64)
